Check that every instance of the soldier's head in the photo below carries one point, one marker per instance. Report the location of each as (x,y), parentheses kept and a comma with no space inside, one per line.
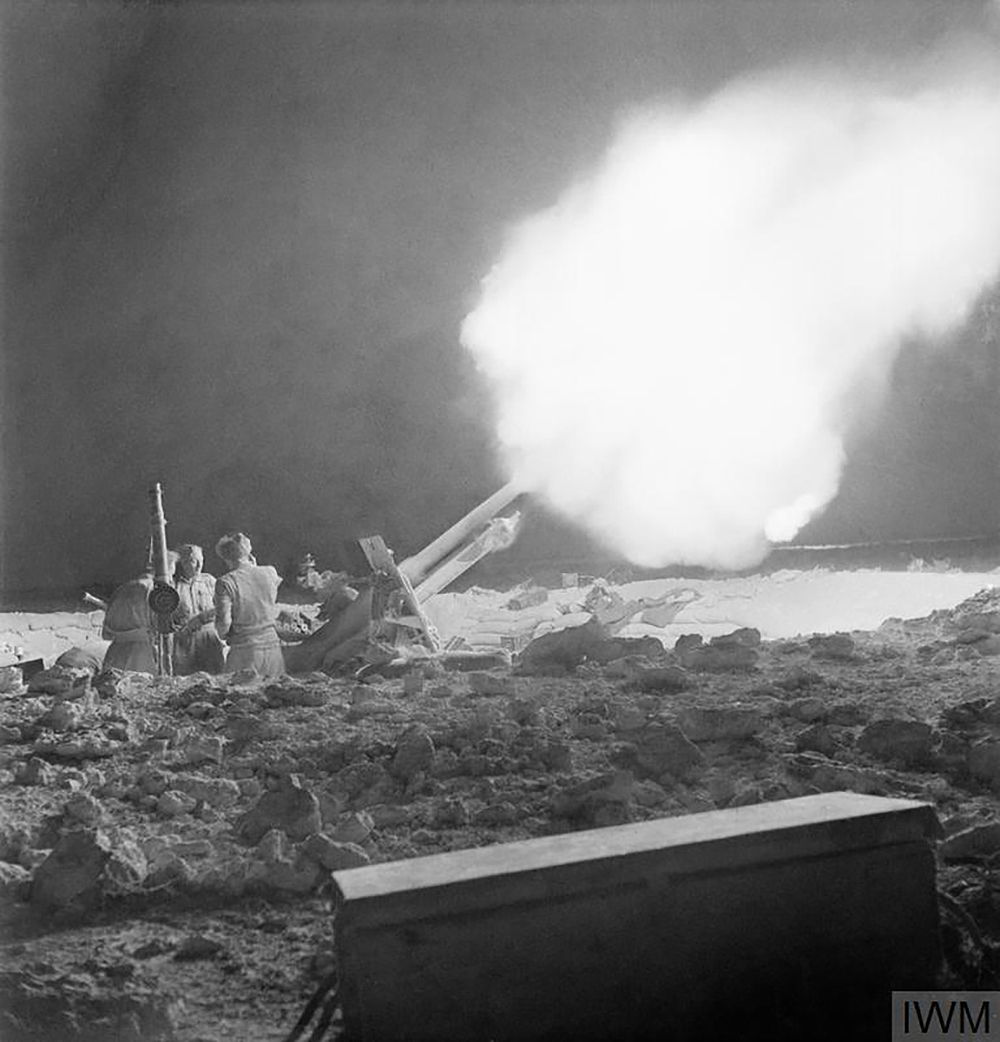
(190,560)
(234,548)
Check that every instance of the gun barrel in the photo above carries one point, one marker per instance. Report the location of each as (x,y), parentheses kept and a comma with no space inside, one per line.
(417,566)
(158,533)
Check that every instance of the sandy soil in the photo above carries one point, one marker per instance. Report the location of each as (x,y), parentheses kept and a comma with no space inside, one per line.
(147,896)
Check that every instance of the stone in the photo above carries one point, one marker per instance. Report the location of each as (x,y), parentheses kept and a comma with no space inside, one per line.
(719,658)
(10,734)
(331,806)
(799,677)
(665,749)
(115,1003)
(523,711)
(648,676)
(13,839)
(984,762)
(11,682)
(628,718)
(907,742)
(198,946)
(352,828)
(555,754)
(366,710)
(202,750)
(291,692)
(586,802)
(83,809)
(362,693)
(250,788)
(837,647)
(709,724)
(334,856)
(817,738)
(502,813)
(154,782)
(830,776)
(172,803)
(15,884)
(66,682)
(847,714)
(36,772)
(969,714)
(414,753)
(989,646)
(273,846)
(808,710)
(63,716)
(747,636)
(688,642)
(298,874)
(589,727)
(92,746)
(84,866)
(201,710)
(451,812)
(113,684)
(387,815)
(413,683)
(492,684)
(216,792)
(721,788)
(979,841)
(648,793)
(72,778)
(290,807)
(562,650)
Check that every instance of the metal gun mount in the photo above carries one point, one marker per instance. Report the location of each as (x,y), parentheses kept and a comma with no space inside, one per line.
(163,598)
(401,589)
(390,612)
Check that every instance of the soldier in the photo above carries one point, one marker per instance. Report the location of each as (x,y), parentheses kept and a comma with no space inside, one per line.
(129,625)
(246,609)
(197,647)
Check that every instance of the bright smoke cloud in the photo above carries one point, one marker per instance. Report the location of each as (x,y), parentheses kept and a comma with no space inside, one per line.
(675,345)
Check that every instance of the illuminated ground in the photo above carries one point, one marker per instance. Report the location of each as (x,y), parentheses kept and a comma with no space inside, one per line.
(203,936)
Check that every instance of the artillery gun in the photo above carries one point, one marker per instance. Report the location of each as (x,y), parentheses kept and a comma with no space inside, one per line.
(388,614)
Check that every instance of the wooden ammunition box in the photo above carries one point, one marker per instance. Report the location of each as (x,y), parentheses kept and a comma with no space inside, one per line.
(794,919)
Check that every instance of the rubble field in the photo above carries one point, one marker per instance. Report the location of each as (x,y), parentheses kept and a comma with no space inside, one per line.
(166,845)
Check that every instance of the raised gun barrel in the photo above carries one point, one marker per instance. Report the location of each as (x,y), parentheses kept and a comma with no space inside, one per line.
(416,568)
(163,598)
(158,534)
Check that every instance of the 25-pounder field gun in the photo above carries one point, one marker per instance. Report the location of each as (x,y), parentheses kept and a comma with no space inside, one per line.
(389,613)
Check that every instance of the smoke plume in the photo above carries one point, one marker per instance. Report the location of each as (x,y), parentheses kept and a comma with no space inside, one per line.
(677,347)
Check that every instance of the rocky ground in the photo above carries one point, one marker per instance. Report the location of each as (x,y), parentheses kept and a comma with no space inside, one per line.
(166,845)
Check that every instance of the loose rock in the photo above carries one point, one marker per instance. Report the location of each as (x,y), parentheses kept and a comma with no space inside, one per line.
(718,658)
(904,741)
(84,866)
(705,724)
(414,752)
(664,749)
(290,807)
(334,856)
(976,842)
(67,682)
(838,647)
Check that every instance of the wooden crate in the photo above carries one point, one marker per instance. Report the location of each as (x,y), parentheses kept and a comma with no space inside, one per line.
(799,916)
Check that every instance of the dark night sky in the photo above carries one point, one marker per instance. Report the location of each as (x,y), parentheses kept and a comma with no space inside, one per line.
(240,239)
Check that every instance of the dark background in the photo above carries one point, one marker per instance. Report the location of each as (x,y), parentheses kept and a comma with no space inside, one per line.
(239,240)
